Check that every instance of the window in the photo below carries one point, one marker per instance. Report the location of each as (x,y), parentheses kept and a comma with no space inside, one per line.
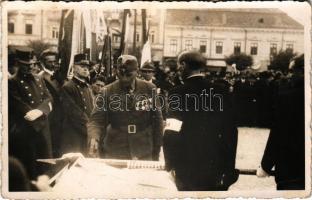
(28,28)
(55,32)
(11,27)
(253,48)
(173,45)
(289,48)
(188,44)
(202,46)
(219,47)
(116,38)
(152,37)
(237,48)
(273,48)
(137,37)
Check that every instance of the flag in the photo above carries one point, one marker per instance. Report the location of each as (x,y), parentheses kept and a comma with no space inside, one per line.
(127,33)
(124,32)
(146,53)
(147,50)
(65,43)
(101,28)
(106,60)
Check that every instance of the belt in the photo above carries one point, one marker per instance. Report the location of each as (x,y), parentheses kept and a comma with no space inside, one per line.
(130,128)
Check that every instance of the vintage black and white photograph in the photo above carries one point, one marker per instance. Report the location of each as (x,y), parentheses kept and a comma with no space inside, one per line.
(155,99)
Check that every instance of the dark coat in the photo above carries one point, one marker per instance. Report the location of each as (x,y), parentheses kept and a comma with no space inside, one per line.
(29,141)
(285,146)
(203,153)
(56,116)
(110,126)
(77,104)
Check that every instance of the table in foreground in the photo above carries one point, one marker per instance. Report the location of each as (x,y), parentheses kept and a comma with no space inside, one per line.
(93,176)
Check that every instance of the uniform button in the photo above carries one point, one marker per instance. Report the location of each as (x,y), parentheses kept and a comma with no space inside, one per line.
(26,87)
(40,85)
(85,107)
(220,136)
(84,99)
(37,79)
(254,100)
(29,94)
(32,102)
(22,81)
(81,92)
(41,93)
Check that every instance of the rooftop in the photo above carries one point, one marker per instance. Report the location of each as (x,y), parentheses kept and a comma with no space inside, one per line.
(247,18)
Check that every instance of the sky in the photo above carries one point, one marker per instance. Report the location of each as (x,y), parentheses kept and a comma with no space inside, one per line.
(299,12)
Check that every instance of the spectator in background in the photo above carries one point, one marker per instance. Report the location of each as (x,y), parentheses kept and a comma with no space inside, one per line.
(97,84)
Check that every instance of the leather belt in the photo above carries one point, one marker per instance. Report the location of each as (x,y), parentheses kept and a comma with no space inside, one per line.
(130,128)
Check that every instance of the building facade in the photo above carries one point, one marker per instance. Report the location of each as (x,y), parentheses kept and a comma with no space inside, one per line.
(27,25)
(217,33)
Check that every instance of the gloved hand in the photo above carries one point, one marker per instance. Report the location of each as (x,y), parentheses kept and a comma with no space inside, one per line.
(261,173)
(94,148)
(33,115)
(42,183)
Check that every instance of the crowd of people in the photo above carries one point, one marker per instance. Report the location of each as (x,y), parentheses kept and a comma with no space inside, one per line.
(49,117)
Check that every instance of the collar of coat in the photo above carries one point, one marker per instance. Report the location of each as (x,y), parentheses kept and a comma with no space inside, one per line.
(80,81)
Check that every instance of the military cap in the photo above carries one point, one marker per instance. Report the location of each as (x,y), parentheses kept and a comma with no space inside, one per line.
(25,55)
(127,63)
(148,66)
(82,59)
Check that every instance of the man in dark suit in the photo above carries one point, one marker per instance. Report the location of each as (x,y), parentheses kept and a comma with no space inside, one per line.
(50,67)
(127,126)
(285,149)
(29,106)
(200,135)
(77,104)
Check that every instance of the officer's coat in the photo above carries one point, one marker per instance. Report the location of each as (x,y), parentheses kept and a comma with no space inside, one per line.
(29,141)
(56,116)
(110,126)
(203,152)
(77,104)
(285,148)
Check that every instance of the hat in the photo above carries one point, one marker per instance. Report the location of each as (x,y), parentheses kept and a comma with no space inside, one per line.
(47,52)
(171,63)
(148,66)
(25,55)
(82,59)
(127,62)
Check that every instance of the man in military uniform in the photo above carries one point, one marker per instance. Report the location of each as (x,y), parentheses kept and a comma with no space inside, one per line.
(128,127)
(29,106)
(200,135)
(77,104)
(50,67)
